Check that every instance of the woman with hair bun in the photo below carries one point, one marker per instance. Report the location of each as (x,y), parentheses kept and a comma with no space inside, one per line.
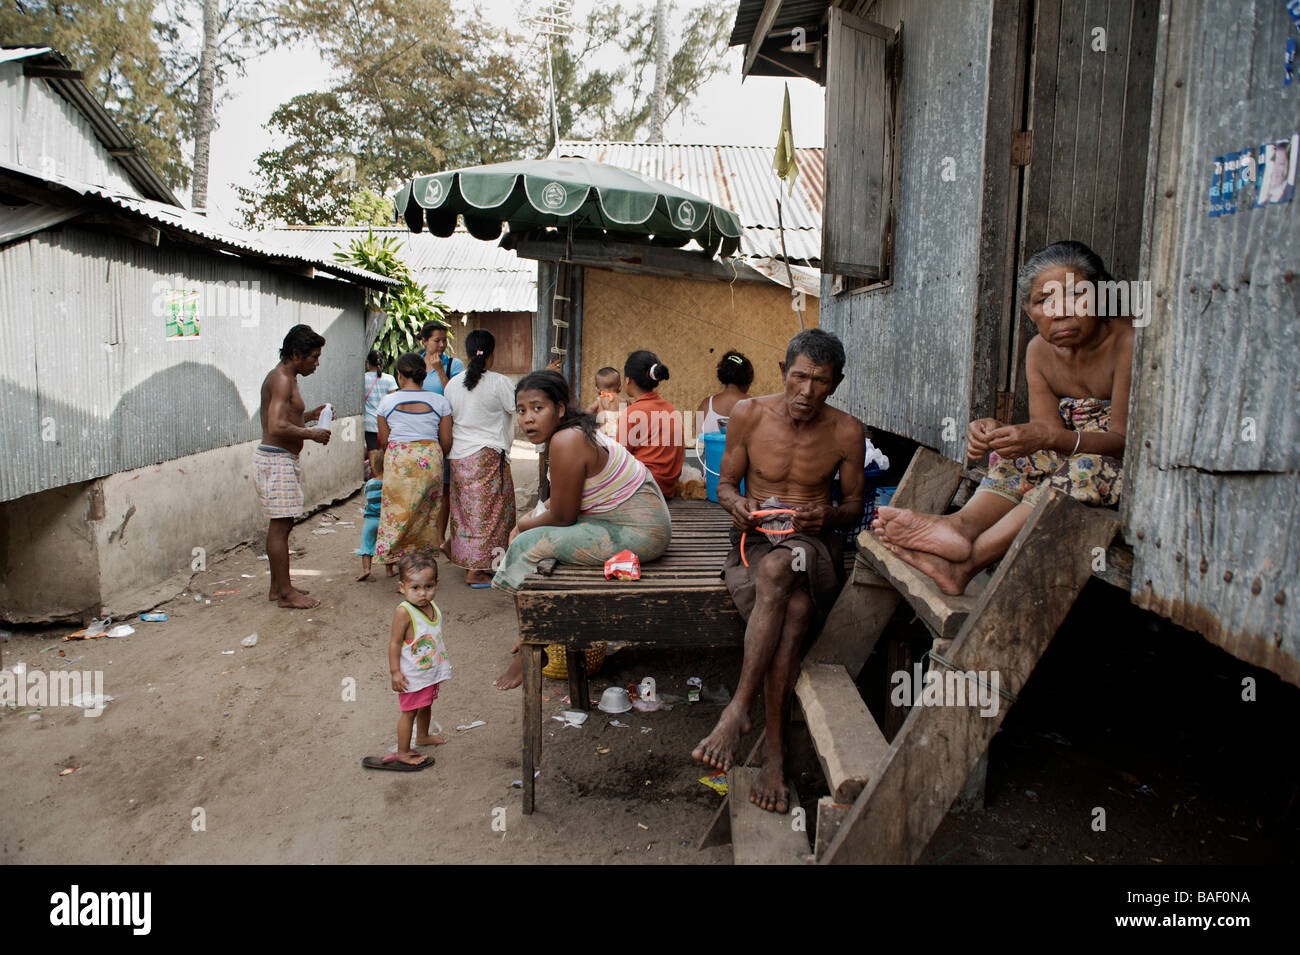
(482,490)
(736,374)
(654,428)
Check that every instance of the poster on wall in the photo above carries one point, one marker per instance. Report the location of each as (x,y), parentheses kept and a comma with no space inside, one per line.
(1277,172)
(181,313)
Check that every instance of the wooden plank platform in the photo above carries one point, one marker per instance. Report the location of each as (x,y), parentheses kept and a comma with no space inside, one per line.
(942,613)
(680,600)
(848,742)
(759,837)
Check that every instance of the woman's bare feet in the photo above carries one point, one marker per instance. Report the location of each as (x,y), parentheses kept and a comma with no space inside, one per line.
(433,739)
(931,533)
(364,575)
(950,576)
(513,677)
(390,570)
(770,791)
(478,577)
(718,749)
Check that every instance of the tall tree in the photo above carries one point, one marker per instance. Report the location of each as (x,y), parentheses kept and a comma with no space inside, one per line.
(204,113)
(124,54)
(661,72)
(421,89)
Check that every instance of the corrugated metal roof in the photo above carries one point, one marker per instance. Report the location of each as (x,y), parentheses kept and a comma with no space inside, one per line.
(793,14)
(100,119)
(472,275)
(21,52)
(214,235)
(739,178)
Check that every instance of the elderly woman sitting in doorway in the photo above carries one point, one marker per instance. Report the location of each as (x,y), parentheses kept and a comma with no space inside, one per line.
(1079,366)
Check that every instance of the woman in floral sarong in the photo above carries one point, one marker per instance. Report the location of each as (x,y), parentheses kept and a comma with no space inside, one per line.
(482,490)
(1079,366)
(415,429)
(603,500)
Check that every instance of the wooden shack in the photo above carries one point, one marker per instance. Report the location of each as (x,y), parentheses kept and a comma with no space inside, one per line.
(961,138)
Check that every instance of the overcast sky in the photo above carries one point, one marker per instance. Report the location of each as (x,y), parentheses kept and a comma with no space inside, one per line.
(725,112)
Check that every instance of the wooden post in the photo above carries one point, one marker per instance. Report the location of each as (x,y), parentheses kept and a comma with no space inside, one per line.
(531,657)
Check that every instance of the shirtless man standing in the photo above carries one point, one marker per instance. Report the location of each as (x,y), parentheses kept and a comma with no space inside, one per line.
(786,446)
(278,474)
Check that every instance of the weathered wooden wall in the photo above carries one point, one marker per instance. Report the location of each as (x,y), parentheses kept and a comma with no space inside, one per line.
(1213,462)
(690,325)
(911,343)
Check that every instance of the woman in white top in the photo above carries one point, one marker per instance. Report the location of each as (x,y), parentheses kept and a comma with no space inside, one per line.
(736,374)
(415,428)
(377,385)
(482,491)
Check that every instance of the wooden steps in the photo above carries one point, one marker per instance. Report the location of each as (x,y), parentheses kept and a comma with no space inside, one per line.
(759,837)
(848,742)
(942,613)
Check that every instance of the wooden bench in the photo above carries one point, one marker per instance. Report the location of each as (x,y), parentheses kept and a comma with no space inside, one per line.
(680,601)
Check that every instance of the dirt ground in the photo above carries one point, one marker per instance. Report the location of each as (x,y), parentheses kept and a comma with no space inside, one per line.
(262,746)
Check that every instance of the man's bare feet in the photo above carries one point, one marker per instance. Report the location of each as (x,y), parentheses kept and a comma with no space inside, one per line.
(950,576)
(273,596)
(718,749)
(770,791)
(513,677)
(297,600)
(478,577)
(433,739)
(932,533)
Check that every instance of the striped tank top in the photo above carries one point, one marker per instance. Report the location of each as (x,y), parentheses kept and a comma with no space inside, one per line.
(620,478)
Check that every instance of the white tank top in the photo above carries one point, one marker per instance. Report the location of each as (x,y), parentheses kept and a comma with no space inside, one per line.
(424,658)
(711,419)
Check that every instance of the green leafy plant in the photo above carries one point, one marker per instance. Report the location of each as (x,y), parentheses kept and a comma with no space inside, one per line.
(408,306)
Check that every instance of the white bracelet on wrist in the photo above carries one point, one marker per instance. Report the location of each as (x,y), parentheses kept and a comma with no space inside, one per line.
(1077,439)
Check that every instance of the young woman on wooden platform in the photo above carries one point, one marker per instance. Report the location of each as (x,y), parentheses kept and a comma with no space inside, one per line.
(1079,366)
(603,500)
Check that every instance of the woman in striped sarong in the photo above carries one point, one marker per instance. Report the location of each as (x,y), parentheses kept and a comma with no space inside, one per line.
(415,428)
(482,490)
(603,500)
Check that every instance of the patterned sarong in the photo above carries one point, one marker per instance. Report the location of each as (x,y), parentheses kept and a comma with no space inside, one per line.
(278,477)
(482,508)
(408,511)
(640,524)
(1093,479)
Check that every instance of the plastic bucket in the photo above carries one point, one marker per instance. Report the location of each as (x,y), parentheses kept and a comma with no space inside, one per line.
(715,442)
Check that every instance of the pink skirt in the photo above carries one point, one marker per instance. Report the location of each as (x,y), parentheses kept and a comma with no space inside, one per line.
(482,509)
(417,699)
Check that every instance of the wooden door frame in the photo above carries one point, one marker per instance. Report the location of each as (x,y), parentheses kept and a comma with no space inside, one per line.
(1002,203)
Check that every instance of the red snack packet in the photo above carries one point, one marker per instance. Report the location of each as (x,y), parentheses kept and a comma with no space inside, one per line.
(624,565)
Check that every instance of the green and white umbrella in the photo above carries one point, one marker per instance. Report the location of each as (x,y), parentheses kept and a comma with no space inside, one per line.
(591,197)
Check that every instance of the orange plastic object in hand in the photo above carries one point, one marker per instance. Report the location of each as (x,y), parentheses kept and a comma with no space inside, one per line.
(769,512)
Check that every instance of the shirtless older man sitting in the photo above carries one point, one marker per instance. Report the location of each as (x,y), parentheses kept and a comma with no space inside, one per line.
(786,447)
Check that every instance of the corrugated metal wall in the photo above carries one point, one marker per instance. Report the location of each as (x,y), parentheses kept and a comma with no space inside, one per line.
(1213,497)
(910,344)
(89,384)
